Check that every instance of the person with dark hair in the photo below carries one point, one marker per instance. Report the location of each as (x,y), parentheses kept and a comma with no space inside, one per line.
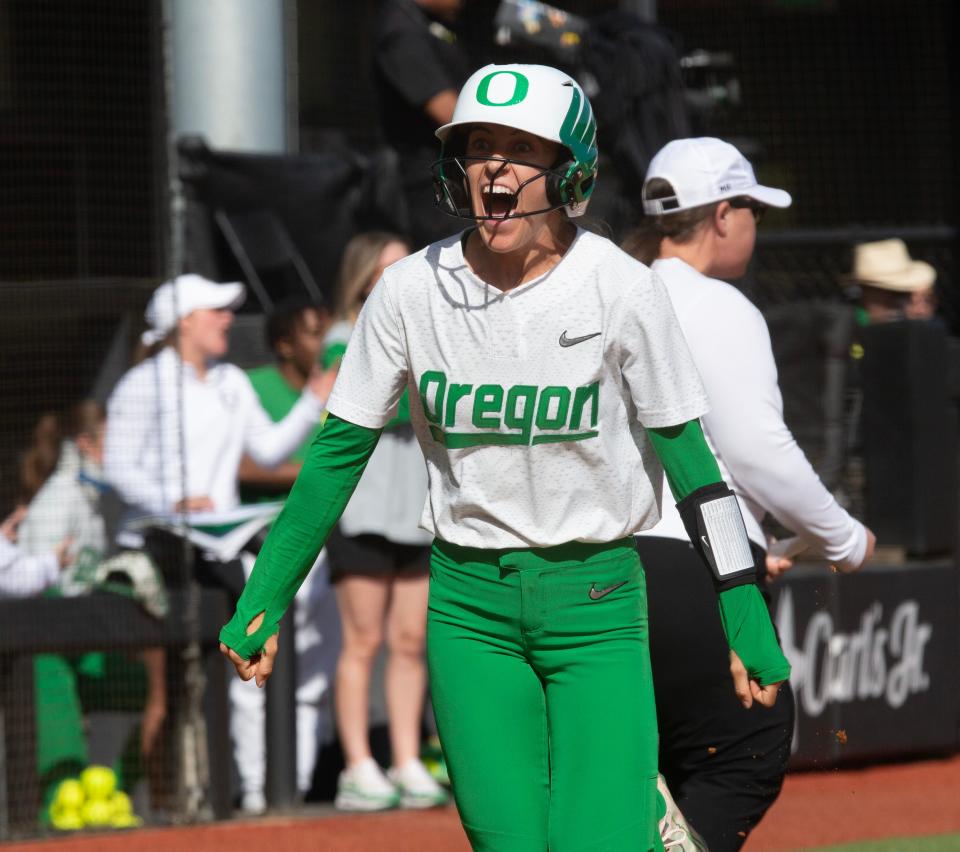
(68,508)
(283,323)
(419,65)
(40,458)
(56,517)
(294,331)
(68,504)
(724,762)
(550,387)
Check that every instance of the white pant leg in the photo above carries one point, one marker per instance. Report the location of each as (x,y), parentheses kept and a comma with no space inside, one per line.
(318,647)
(246,732)
(318,644)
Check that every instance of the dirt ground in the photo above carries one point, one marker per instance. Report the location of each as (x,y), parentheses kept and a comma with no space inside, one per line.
(825,808)
(815,809)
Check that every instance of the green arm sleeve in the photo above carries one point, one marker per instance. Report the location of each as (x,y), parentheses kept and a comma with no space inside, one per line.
(329,475)
(746,621)
(685,457)
(690,465)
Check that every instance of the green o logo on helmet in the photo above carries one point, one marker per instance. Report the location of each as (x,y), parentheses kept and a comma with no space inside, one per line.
(521,85)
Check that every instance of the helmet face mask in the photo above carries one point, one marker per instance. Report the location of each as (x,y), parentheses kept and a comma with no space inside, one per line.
(453,194)
(538,100)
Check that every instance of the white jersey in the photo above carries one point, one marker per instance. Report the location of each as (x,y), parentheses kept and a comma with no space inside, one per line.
(757,454)
(529,405)
(388,499)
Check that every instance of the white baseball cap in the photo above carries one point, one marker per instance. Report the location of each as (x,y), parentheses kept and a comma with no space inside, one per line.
(703,171)
(181,296)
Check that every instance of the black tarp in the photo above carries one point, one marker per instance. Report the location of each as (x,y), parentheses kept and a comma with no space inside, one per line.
(322,199)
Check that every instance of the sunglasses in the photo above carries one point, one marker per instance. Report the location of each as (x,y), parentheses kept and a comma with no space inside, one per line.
(754,207)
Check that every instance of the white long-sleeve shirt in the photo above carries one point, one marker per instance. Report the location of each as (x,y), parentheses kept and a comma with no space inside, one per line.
(221,418)
(66,505)
(22,575)
(757,453)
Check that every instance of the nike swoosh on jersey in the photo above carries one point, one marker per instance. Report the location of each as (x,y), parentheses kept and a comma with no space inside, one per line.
(573,341)
(596,594)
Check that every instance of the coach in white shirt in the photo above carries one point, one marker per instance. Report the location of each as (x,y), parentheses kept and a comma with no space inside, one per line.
(179,422)
(724,764)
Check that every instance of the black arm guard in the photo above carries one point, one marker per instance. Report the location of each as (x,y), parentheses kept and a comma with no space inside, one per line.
(712,519)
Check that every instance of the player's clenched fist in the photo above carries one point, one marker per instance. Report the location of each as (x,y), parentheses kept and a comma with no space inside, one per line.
(748,689)
(260,665)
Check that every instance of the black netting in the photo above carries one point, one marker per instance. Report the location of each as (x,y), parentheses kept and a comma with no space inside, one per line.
(79,156)
(847,104)
(82,232)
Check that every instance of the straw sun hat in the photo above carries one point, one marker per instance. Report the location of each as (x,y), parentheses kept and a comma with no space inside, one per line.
(887,264)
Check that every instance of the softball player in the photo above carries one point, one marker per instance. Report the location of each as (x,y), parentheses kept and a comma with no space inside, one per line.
(550,381)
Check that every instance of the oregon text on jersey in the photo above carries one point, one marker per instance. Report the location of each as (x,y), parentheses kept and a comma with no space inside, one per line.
(466,415)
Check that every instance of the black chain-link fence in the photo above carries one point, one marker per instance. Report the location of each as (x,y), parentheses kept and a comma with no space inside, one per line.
(81,140)
(81,244)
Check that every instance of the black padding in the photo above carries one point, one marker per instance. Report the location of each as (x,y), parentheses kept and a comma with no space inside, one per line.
(688,509)
(909,426)
(556,184)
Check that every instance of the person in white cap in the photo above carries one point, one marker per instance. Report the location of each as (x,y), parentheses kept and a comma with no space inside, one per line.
(724,763)
(179,422)
(892,285)
(550,385)
(178,425)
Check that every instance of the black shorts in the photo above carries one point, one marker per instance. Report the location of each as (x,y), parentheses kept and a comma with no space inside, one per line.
(168,553)
(371,555)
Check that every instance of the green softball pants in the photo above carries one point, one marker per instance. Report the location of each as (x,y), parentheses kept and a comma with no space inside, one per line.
(543,696)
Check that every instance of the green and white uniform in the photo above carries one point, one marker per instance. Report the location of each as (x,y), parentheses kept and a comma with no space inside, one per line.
(544,414)
(532,409)
(528,442)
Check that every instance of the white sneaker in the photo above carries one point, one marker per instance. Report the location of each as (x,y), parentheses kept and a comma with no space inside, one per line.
(418,788)
(364,787)
(253,803)
(675,831)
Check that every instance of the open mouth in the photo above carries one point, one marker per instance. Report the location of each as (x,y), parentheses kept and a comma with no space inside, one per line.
(498,200)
